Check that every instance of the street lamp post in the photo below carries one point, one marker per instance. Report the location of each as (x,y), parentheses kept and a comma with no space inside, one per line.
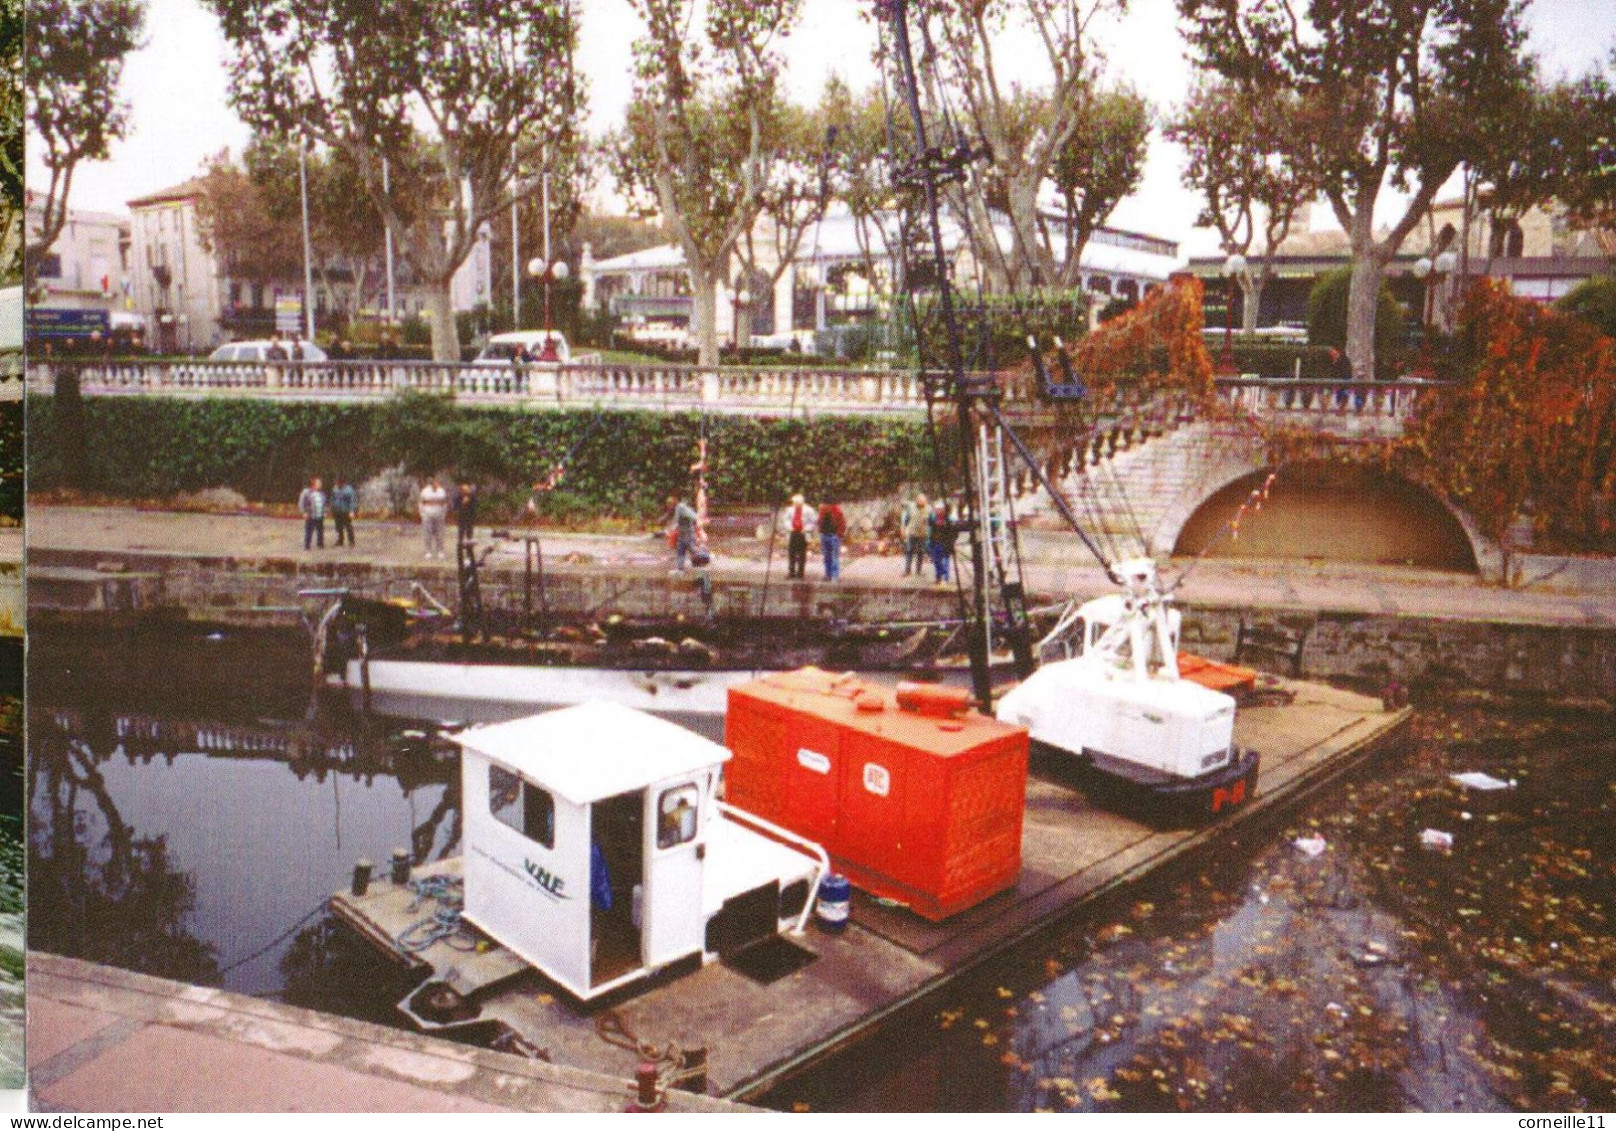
(1233,266)
(1429,271)
(546,272)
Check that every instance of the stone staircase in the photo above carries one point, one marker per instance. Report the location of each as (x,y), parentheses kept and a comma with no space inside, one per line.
(1128,495)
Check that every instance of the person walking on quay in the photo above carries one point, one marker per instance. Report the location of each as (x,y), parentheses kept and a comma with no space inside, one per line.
(311,503)
(465,510)
(344,502)
(434,507)
(683,522)
(940,534)
(832,529)
(800,523)
(912,529)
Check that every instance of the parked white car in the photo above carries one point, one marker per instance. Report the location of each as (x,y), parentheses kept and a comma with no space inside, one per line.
(258,350)
(501,348)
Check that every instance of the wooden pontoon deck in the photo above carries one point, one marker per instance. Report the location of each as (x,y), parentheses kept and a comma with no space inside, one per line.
(757,1034)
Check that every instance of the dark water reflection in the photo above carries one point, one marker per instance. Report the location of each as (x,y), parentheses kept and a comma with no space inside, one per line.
(1372,977)
(178,831)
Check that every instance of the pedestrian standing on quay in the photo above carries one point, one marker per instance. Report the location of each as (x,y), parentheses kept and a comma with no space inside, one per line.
(465,509)
(311,503)
(800,523)
(940,533)
(344,503)
(832,529)
(912,529)
(682,527)
(434,507)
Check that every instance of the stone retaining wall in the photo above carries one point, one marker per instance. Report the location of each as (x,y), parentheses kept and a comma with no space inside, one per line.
(1420,652)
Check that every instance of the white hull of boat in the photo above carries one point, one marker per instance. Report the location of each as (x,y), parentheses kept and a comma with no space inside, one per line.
(686,692)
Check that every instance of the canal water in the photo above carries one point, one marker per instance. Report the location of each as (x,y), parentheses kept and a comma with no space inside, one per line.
(191,808)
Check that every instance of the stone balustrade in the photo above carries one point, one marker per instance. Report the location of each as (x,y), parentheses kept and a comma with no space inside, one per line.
(1378,407)
(1363,408)
(804,390)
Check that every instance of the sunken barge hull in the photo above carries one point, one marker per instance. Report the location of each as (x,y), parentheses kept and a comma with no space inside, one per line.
(679,664)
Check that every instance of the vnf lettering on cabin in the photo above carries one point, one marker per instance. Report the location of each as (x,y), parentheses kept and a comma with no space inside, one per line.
(549,883)
(1231,795)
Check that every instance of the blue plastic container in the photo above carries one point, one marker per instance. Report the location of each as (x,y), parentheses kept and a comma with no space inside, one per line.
(835,903)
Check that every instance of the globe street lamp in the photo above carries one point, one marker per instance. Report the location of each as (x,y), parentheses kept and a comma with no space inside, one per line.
(1430,271)
(1422,272)
(545,272)
(1233,266)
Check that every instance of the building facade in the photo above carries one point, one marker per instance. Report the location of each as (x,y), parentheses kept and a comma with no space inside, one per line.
(844,270)
(176,282)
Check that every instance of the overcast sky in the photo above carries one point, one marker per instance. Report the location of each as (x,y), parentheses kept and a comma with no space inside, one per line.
(176,86)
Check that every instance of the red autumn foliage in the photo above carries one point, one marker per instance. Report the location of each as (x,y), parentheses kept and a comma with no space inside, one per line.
(1157,345)
(1529,422)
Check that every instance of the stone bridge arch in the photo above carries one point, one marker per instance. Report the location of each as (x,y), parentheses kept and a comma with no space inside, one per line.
(1181,489)
(1318,510)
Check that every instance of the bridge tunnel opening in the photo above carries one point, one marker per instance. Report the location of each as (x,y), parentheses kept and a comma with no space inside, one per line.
(1320,511)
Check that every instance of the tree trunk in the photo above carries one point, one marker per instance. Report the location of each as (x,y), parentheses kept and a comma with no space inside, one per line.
(704,312)
(441,317)
(1363,302)
(1030,269)
(1251,289)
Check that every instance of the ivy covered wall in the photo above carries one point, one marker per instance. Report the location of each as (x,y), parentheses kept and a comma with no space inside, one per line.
(622,464)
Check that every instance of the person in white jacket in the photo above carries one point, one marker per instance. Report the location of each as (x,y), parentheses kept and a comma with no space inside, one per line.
(434,507)
(799,521)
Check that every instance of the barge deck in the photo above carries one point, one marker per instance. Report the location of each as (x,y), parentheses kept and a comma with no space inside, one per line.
(758,1028)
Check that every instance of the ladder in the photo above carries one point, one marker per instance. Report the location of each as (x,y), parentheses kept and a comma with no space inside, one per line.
(1002,556)
(993,493)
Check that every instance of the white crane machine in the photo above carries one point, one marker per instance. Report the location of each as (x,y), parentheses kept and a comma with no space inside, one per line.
(1121,702)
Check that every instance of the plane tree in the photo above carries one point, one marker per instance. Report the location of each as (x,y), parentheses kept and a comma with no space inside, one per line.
(1100,164)
(704,128)
(795,195)
(1392,96)
(1234,142)
(71,68)
(457,100)
(1070,129)
(11,128)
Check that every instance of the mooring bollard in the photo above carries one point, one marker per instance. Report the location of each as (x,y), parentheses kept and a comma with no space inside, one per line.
(647,1090)
(361,877)
(401,866)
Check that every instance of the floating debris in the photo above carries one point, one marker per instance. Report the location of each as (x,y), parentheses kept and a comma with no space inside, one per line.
(1436,840)
(1475,779)
(1311,845)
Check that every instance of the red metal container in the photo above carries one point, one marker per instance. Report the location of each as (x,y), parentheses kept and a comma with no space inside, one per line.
(915,804)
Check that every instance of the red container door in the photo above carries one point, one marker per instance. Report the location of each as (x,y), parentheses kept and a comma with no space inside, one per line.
(873,781)
(809,762)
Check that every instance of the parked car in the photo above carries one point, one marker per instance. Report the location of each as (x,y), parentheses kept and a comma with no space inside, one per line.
(258,350)
(544,347)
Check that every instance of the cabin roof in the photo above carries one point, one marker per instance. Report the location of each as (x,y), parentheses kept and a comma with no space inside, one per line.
(593,751)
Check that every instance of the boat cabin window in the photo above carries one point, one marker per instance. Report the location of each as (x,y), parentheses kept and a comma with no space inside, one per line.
(676,816)
(521,805)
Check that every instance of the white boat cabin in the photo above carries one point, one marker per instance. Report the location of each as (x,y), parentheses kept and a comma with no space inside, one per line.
(597,850)
(1119,700)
